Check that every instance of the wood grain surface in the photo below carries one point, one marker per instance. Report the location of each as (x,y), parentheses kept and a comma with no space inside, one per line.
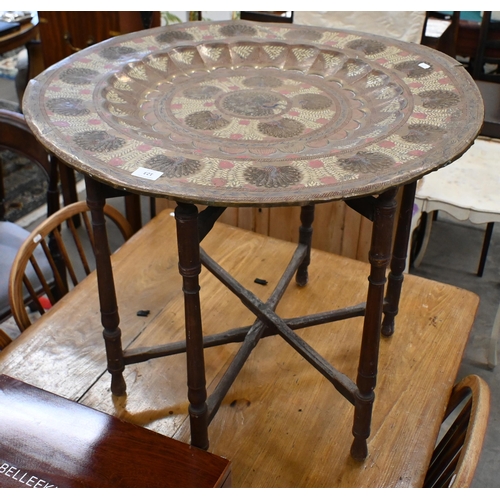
(281,424)
(51,442)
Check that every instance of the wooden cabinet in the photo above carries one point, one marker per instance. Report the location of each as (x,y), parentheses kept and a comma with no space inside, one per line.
(63,33)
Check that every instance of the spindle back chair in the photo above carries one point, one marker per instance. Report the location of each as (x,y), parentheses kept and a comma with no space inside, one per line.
(69,251)
(16,137)
(457,452)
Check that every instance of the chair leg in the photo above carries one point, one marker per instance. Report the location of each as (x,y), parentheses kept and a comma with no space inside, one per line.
(53,188)
(133,211)
(152,207)
(68,186)
(425,240)
(68,183)
(486,245)
(495,334)
(2,193)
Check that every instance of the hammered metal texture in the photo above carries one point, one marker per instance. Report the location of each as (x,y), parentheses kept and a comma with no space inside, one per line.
(237,113)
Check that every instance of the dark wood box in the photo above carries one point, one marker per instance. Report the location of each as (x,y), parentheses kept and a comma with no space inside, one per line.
(50,442)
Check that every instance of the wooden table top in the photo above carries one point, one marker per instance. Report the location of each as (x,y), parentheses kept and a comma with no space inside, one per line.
(236,113)
(281,424)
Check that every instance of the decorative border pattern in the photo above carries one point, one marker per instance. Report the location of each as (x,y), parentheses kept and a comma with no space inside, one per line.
(239,113)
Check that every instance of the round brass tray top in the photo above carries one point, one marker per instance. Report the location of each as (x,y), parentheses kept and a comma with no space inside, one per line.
(235,113)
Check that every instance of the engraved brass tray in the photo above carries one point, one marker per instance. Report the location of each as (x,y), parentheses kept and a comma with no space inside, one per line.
(237,113)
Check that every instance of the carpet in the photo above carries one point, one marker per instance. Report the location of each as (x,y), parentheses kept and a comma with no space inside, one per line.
(25,186)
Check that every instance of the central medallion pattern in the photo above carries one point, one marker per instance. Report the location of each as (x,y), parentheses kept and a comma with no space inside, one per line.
(254,103)
(208,97)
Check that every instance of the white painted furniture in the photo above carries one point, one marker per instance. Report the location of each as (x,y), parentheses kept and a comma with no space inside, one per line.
(469,189)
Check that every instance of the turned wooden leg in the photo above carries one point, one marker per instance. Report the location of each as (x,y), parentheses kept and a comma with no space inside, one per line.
(305,237)
(53,188)
(186,216)
(398,261)
(68,185)
(380,253)
(106,287)
(133,211)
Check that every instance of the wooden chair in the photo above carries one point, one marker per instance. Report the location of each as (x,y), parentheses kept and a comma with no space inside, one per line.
(12,236)
(69,252)
(16,136)
(457,452)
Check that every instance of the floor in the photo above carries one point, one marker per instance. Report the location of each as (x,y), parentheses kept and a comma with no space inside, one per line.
(452,257)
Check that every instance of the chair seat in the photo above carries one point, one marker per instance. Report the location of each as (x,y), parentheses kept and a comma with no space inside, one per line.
(11,238)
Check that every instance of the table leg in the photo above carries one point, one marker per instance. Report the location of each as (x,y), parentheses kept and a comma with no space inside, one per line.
(106,288)
(379,256)
(133,211)
(2,193)
(484,251)
(305,237)
(186,216)
(398,261)
(68,185)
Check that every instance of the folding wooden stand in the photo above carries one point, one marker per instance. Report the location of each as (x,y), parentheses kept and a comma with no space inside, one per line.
(191,229)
